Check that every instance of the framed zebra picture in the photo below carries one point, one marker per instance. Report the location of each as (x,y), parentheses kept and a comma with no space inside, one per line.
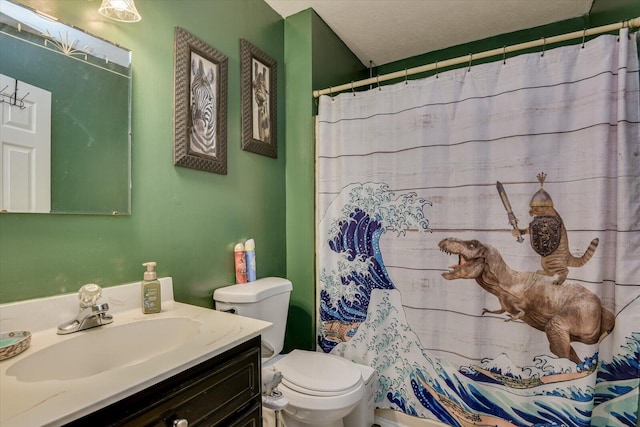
(258,77)
(200,105)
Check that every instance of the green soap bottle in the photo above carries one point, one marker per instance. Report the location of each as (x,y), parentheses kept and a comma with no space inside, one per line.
(151,299)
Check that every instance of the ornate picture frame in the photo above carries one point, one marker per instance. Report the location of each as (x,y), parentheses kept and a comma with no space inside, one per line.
(259,85)
(200,105)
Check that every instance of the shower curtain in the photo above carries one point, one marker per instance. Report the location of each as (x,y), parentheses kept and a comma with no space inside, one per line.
(479,238)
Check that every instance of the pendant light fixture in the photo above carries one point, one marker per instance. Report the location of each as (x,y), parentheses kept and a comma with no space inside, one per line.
(120,10)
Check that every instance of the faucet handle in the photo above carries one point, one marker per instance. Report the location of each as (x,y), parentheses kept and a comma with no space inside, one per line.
(89,295)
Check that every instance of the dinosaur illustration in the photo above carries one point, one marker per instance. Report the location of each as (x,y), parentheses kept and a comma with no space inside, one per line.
(564,313)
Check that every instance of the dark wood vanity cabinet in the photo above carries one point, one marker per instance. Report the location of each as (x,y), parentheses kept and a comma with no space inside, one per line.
(222,391)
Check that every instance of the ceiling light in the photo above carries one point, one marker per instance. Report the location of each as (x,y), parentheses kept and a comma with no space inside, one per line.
(120,10)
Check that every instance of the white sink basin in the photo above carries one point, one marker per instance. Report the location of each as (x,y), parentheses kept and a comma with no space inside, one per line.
(61,378)
(104,348)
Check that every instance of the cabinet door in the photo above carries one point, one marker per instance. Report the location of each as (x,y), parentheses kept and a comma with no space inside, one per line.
(252,418)
(218,395)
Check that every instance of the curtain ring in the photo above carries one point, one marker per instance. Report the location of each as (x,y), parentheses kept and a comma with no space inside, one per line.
(437,74)
(331,92)
(544,45)
(352,90)
(584,33)
(504,55)
(378,81)
(470,59)
(406,76)
(625,24)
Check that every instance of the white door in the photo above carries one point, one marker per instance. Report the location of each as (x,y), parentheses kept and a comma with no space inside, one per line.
(25,148)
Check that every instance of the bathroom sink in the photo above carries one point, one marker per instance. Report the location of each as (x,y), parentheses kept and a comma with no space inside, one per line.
(101,349)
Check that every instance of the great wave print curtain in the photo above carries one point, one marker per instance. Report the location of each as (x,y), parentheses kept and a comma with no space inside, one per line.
(479,238)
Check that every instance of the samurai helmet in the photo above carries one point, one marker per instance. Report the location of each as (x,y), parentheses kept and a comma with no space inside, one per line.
(541,198)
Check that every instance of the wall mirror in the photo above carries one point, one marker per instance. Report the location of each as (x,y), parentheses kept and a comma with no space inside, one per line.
(65,109)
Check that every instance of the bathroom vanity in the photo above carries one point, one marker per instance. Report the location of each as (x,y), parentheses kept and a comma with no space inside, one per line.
(186,365)
(223,391)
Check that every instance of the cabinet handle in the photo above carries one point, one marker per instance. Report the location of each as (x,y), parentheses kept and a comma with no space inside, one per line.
(180,423)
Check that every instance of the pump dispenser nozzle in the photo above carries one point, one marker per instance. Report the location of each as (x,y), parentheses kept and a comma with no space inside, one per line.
(150,274)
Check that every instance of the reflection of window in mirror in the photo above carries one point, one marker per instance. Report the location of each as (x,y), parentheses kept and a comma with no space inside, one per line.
(260,91)
(89,81)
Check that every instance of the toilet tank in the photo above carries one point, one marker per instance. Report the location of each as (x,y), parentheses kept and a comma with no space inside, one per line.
(264,299)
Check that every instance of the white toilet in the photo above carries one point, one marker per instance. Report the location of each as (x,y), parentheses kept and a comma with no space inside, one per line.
(321,389)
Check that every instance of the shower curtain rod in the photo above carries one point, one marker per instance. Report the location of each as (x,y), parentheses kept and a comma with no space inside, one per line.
(632,23)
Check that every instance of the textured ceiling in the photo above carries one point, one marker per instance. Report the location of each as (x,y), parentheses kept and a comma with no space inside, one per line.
(384,31)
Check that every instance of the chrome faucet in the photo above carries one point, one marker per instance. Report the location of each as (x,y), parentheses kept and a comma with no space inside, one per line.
(91,313)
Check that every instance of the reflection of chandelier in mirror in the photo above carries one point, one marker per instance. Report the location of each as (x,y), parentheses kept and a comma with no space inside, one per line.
(120,10)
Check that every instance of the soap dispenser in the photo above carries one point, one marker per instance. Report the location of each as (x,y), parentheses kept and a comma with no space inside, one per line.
(150,290)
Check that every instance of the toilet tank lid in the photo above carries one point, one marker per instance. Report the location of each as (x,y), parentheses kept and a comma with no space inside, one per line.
(253,291)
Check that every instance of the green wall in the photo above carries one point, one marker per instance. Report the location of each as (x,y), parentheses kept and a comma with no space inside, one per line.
(313,55)
(300,182)
(186,220)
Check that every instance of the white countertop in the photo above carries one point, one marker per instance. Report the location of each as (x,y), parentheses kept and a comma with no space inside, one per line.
(56,402)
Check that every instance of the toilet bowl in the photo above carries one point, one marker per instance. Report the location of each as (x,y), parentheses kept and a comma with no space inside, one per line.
(321,389)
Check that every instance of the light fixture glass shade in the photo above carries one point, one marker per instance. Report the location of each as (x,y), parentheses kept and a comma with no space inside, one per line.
(120,10)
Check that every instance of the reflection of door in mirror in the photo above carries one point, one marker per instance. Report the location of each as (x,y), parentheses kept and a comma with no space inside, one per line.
(25,147)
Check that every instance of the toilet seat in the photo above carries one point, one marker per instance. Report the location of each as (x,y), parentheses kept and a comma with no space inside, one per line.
(318,374)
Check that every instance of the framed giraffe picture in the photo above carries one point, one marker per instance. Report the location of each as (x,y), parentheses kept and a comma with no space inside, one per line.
(200,105)
(259,76)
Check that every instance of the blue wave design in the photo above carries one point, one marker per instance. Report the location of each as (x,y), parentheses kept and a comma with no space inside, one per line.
(623,366)
(369,211)
(357,238)
(429,402)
